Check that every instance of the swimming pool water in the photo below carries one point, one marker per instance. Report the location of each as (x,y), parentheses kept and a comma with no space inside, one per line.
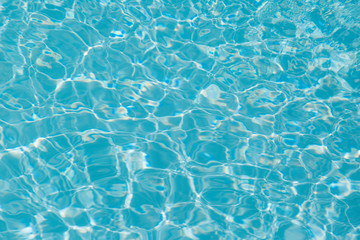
(159,119)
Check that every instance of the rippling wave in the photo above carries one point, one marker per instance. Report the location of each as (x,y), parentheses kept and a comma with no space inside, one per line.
(189,119)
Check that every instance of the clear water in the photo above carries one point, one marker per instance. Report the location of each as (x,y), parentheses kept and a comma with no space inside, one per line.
(185,119)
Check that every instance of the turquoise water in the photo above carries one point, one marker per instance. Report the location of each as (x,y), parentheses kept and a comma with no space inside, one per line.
(156,119)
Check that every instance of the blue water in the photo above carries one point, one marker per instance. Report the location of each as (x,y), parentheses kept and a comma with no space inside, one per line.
(155,119)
